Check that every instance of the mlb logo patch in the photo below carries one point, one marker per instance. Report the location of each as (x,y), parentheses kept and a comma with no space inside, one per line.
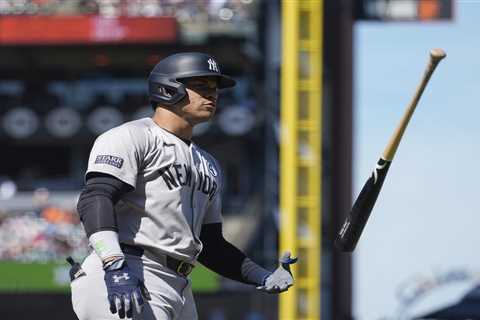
(110,160)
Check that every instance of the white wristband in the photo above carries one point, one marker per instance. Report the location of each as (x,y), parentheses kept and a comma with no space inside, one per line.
(106,245)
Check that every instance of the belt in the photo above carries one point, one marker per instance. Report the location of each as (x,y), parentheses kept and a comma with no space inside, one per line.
(182,268)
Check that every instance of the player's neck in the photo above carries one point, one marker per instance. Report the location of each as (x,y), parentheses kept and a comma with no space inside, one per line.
(173,123)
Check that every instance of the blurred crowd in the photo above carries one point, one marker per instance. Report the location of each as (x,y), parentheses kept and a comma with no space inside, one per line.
(184,10)
(65,110)
(48,234)
(35,108)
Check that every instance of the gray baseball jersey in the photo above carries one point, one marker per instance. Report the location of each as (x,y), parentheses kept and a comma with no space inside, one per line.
(177,187)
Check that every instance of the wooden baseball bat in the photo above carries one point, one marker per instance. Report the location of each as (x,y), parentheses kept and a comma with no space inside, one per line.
(356,220)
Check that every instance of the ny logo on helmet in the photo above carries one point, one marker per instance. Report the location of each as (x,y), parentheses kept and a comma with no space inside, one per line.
(212,65)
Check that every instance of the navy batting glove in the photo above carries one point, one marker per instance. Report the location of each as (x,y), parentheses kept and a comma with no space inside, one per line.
(281,279)
(125,290)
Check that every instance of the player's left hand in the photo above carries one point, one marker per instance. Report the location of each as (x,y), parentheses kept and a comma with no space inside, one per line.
(281,279)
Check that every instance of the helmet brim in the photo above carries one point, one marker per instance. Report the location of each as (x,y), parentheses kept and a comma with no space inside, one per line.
(224,81)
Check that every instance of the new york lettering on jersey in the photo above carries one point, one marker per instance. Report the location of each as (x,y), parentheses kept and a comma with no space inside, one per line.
(178,175)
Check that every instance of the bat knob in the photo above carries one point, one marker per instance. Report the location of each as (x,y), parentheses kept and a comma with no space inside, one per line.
(437,54)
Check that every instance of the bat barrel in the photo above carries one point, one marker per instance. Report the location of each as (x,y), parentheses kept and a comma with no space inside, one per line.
(357,219)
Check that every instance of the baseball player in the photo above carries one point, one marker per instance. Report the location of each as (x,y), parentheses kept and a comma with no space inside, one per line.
(151,206)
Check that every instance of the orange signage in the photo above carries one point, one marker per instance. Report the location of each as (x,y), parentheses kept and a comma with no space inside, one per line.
(85,30)
(428,10)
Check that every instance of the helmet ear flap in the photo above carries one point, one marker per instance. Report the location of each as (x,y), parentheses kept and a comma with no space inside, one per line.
(164,90)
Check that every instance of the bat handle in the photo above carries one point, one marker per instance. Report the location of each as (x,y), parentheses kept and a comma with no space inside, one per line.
(436,55)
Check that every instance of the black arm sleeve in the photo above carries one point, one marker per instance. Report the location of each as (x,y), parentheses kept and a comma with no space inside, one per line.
(221,256)
(96,202)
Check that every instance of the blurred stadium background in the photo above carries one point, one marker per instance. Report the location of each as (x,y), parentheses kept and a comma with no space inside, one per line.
(71,69)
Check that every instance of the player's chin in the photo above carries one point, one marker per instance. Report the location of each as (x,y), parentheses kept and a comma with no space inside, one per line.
(203,117)
(206,114)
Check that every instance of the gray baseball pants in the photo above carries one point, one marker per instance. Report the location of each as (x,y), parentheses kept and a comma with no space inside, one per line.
(171,294)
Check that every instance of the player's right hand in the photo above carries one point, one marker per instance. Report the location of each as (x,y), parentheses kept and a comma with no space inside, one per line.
(125,290)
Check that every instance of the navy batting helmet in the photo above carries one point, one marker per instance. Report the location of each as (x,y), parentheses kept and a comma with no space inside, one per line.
(163,85)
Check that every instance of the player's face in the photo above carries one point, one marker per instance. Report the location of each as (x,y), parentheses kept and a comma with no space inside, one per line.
(202,99)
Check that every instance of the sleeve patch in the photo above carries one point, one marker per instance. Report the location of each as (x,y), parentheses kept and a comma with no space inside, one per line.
(110,160)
